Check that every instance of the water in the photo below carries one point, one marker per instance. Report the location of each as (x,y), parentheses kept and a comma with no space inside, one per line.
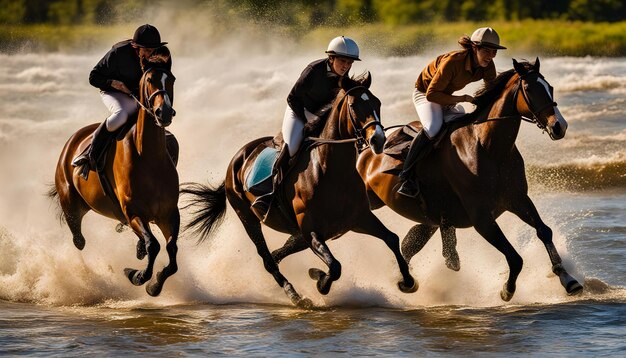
(56,300)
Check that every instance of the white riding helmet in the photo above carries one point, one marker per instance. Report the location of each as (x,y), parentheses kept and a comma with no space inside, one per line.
(344,47)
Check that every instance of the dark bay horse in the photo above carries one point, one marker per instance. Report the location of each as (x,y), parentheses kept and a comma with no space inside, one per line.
(477,173)
(142,176)
(322,197)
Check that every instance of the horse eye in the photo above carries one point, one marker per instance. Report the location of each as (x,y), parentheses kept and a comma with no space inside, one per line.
(149,79)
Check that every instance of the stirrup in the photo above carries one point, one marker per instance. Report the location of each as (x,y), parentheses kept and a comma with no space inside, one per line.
(409,188)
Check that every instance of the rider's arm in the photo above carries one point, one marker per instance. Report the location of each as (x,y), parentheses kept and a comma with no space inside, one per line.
(102,74)
(438,84)
(299,91)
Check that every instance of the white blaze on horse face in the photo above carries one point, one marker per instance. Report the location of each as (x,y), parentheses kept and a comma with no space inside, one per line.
(557,114)
(166,96)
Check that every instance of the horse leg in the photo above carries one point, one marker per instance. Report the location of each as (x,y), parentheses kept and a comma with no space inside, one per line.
(415,240)
(170,231)
(371,225)
(253,228)
(74,209)
(324,280)
(294,244)
(526,210)
(448,242)
(489,229)
(142,230)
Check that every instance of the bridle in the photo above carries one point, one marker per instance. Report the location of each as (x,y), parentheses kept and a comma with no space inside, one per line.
(150,97)
(361,142)
(533,107)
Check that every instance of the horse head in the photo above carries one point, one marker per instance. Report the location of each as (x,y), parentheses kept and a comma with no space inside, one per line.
(157,94)
(537,100)
(363,110)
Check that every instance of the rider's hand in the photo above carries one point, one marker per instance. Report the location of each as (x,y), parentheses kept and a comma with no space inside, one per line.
(467,98)
(120,86)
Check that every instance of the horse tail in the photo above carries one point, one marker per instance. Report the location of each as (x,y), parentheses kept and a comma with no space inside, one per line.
(53,194)
(210,207)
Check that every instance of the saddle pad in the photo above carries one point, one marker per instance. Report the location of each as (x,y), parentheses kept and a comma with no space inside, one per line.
(262,167)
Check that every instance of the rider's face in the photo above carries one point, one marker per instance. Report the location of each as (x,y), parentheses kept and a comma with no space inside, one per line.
(145,52)
(340,65)
(485,55)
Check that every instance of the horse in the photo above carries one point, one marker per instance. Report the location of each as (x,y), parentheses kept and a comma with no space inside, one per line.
(476,172)
(140,176)
(322,196)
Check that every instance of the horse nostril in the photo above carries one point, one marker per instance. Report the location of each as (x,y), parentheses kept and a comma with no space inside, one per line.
(158,112)
(557,129)
(173,112)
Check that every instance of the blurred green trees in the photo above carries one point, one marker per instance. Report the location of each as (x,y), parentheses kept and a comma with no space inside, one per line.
(318,12)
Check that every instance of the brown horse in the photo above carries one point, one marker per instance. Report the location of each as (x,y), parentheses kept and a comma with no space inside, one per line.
(322,196)
(141,175)
(476,172)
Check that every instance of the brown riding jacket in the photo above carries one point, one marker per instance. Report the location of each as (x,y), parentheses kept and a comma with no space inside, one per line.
(451,72)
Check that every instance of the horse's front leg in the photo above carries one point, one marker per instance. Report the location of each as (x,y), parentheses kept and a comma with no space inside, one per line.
(324,280)
(371,225)
(489,229)
(526,210)
(415,239)
(142,230)
(170,230)
(448,243)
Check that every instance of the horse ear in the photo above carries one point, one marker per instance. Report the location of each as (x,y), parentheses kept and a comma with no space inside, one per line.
(519,68)
(536,66)
(367,80)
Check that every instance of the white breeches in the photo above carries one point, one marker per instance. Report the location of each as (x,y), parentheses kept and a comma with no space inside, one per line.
(432,115)
(121,107)
(293,129)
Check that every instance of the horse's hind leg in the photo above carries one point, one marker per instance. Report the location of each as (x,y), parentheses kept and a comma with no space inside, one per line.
(253,228)
(74,209)
(324,280)
(142,230)
(371,225)
(525,210)
(170,231)
(415,240)
(292,245)
(448,242)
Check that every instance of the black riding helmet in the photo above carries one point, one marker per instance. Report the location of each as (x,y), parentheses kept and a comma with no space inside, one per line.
(147,36)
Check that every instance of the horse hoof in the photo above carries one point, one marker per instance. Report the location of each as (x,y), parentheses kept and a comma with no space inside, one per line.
(134,276)
(154,289)
(574,288)
(453,263)
(79,242)
(408,289)
(316,274)
(305,303)
(506,295)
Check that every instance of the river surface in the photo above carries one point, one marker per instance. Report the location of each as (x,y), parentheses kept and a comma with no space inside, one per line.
(56,300)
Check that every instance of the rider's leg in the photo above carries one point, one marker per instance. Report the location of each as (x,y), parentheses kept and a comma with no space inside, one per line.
(293,134)
(431,117)
(121,107)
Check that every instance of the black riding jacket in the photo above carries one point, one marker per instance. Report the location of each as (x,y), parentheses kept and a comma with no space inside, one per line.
(120,63)
(316,87)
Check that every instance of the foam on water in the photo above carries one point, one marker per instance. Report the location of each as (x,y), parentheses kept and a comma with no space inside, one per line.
(225,98)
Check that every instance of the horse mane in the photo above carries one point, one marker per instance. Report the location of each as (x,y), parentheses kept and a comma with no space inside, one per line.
(161,57)
(486,95)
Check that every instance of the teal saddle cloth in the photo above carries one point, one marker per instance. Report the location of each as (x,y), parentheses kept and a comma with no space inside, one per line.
(258,180)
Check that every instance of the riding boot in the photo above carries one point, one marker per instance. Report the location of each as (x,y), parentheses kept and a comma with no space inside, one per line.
(93,155)
(263,202)
(419,148)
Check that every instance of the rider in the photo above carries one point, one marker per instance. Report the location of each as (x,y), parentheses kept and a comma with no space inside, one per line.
(117,75)
(309,100)
(433,97)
